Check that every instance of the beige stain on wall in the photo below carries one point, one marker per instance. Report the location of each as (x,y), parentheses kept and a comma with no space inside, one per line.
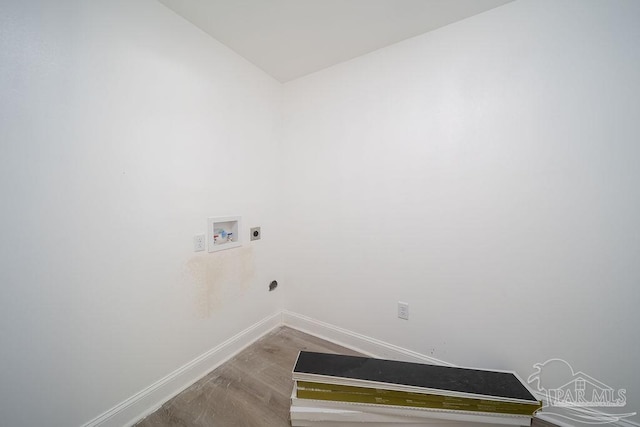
(219,277)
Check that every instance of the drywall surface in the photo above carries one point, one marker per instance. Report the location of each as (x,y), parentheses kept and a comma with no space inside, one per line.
(487,174)
(122,128)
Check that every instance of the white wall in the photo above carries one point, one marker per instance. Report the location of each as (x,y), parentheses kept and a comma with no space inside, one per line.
(122,128)
(487,174)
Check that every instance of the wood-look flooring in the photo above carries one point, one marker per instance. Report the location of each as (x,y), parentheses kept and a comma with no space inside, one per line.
(253,389)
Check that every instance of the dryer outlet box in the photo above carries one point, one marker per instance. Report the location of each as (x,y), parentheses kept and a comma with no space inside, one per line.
(255,233)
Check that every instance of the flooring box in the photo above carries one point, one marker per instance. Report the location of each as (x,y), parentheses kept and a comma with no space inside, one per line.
(322,411)
(363,380)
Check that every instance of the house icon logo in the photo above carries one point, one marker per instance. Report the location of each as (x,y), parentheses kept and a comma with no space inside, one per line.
(575,395)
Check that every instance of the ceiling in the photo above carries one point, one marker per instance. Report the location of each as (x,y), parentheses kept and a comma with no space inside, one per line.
(291,38)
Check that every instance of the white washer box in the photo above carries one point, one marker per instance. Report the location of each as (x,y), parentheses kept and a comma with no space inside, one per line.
(224,233)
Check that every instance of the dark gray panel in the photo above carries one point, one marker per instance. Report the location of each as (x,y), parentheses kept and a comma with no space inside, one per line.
(463,380)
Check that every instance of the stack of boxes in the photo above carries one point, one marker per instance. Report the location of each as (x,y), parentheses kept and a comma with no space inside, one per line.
(337,390)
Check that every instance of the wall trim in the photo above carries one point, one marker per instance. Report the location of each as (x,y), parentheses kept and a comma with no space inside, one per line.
(151,398)
(355,341)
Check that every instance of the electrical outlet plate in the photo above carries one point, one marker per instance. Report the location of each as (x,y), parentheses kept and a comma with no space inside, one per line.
(199,243)
(403,310)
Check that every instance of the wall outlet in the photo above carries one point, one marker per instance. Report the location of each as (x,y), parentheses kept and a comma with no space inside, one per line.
(403,310)
(198,242)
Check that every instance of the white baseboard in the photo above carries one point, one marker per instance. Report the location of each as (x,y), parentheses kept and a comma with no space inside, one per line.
(361,343)
(151,398)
